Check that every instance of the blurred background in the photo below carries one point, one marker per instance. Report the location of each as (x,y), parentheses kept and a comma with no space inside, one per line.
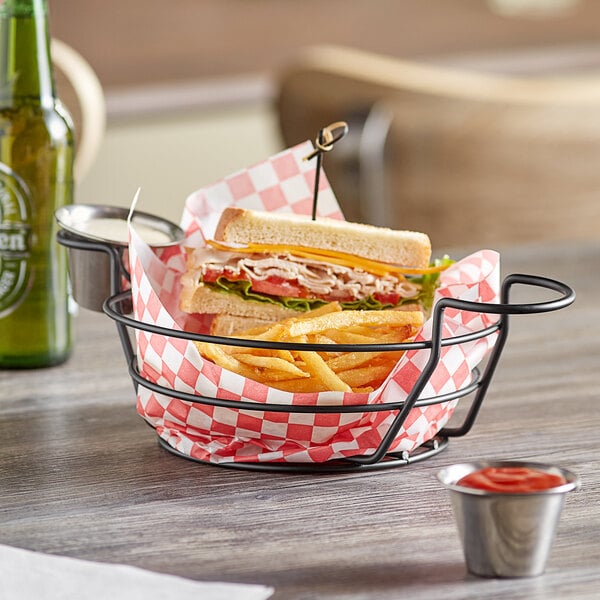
(197,89)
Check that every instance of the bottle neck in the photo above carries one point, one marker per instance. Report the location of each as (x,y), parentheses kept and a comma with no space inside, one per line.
(25,65)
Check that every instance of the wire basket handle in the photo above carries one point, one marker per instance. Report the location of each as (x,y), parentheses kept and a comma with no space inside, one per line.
(504,309)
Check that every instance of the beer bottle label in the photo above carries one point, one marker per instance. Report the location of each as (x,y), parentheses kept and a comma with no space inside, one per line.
(15,240)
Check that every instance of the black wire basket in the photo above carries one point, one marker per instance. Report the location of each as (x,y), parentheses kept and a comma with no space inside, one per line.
(119,308)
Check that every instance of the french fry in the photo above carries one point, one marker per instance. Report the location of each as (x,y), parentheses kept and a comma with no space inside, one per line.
(309,371)
(344,336)
(273,331)
(307,386)
(351,360)
(318,368)
(364,390)
(370,332)
(331,307)
(271,363)
(349,318)
(320,338)
(220,357)
(254,331)
(274,377)
(360,377)
(282,354)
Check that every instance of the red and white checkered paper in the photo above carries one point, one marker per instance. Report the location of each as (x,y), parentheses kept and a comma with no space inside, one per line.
(285,183)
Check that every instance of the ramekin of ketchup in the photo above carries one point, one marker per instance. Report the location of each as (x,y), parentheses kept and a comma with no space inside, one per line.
(507,513)
(508,477)
(511,480)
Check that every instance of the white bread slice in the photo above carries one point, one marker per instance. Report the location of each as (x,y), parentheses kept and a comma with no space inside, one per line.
(202,299)
(407,248)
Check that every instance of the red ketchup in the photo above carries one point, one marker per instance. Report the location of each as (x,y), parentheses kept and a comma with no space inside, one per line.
(511,480)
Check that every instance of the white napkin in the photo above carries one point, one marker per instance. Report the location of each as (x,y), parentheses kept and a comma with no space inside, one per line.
(26,575)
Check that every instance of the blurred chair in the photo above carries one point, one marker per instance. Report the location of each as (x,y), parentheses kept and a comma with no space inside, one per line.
(79,89)
(471,158)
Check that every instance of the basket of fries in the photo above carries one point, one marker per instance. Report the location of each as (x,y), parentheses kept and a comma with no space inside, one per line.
(387,385)
(237,421)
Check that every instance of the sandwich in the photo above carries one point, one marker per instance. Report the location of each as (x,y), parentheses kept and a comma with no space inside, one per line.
(264,267)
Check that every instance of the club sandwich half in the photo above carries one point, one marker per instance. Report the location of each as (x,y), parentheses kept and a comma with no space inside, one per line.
(263,267)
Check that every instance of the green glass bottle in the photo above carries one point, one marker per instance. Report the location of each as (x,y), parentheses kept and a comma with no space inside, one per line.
(36,178)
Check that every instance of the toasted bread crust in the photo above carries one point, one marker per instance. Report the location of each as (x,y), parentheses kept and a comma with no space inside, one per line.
(407,248)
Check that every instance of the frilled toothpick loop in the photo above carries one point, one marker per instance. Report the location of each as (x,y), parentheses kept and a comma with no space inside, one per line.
(327,137)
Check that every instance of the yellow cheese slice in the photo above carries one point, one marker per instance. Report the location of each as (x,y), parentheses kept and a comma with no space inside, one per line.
(331,256)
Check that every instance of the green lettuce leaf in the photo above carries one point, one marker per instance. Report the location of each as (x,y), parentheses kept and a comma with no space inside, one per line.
(429,283)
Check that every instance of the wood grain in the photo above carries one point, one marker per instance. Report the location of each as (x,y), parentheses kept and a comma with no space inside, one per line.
(82,475)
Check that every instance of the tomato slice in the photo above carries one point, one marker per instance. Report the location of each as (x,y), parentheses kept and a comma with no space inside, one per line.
(212,275)
(272,286)
(511,480)
(391,298)
(277,286)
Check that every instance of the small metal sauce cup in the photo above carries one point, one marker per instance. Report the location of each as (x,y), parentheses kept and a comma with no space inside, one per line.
(98,266)
(506,534)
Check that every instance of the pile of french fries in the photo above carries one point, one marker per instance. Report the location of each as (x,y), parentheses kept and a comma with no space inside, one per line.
(309,371)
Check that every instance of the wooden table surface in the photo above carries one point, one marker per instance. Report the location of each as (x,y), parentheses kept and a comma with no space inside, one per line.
(82,475)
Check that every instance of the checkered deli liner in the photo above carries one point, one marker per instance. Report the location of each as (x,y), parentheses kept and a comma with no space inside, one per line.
(285,183)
